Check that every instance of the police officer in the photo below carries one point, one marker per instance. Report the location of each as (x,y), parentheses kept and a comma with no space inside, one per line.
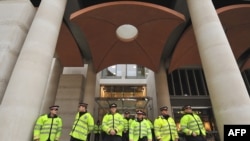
(165,127)
(139,129)
(150,124)
(112,124)
(83,124)
(48,127)
(192,125)
(97,130)
(127,121)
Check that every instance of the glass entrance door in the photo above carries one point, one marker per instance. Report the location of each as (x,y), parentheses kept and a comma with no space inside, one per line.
(127,97)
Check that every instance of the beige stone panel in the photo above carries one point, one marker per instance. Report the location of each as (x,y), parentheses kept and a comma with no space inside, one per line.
(68,96)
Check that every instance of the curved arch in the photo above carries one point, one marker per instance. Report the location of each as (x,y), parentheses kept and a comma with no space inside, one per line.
(99,24)
(236,21)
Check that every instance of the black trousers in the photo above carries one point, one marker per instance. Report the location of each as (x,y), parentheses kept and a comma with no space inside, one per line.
(112,138)
(74,139)
(103,135)
(143,139)
(125,136)
(195,138)
(97,137)
(153,135)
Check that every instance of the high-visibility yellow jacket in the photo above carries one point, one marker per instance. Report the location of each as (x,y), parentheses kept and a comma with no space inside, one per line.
(190,123)
(113,121)
(97,129)
(127,122)
(139,129)
(47,127)
(150,123)
(165,128)
(83,125)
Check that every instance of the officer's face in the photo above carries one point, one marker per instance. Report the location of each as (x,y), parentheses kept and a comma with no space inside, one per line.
(164,112)
(82,108)
(54,111)
(113,109)
(139,116)
(188,110)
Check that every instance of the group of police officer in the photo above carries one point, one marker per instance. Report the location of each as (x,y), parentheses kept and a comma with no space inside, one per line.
(118,127)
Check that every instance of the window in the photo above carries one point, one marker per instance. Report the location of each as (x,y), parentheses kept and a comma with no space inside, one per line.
(136,71)
(114,71)
(187,82)
(132,71)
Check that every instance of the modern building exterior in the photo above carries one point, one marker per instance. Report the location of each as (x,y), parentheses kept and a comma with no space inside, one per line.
(140,54)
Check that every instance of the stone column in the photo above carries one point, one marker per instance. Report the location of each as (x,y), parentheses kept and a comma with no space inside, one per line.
(162,91)
(52,86)
(228,94)
(14,26)
(23,97)
(90,88)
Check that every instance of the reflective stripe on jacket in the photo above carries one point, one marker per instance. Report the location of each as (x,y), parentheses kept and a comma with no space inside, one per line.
(127,122)
(165,128)
(140,129)
(82,126)
(46,127)
(113,121)
(150,123)
(97,129)
(191,123)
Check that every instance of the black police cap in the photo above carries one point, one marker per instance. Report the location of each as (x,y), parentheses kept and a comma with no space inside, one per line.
(186,107)
(112,105)
(164,108)
(126,112)
(83,104)
(53,107)
(139,112)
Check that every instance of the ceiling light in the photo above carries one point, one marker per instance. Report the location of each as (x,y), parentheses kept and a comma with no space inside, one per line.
(126,32)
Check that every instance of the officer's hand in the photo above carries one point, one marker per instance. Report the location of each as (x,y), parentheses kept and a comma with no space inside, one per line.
(112,132)
(194,134)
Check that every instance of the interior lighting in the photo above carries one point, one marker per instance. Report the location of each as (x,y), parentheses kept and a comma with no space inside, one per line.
(126,32)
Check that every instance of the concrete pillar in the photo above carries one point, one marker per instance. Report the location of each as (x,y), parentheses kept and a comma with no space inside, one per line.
(162,91)
(90,88)
(52,85)
(228,94)
(23,97)
(14,26)
(97,94)
(152,107)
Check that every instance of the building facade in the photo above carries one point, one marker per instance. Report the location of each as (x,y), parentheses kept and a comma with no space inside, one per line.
(65,52)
